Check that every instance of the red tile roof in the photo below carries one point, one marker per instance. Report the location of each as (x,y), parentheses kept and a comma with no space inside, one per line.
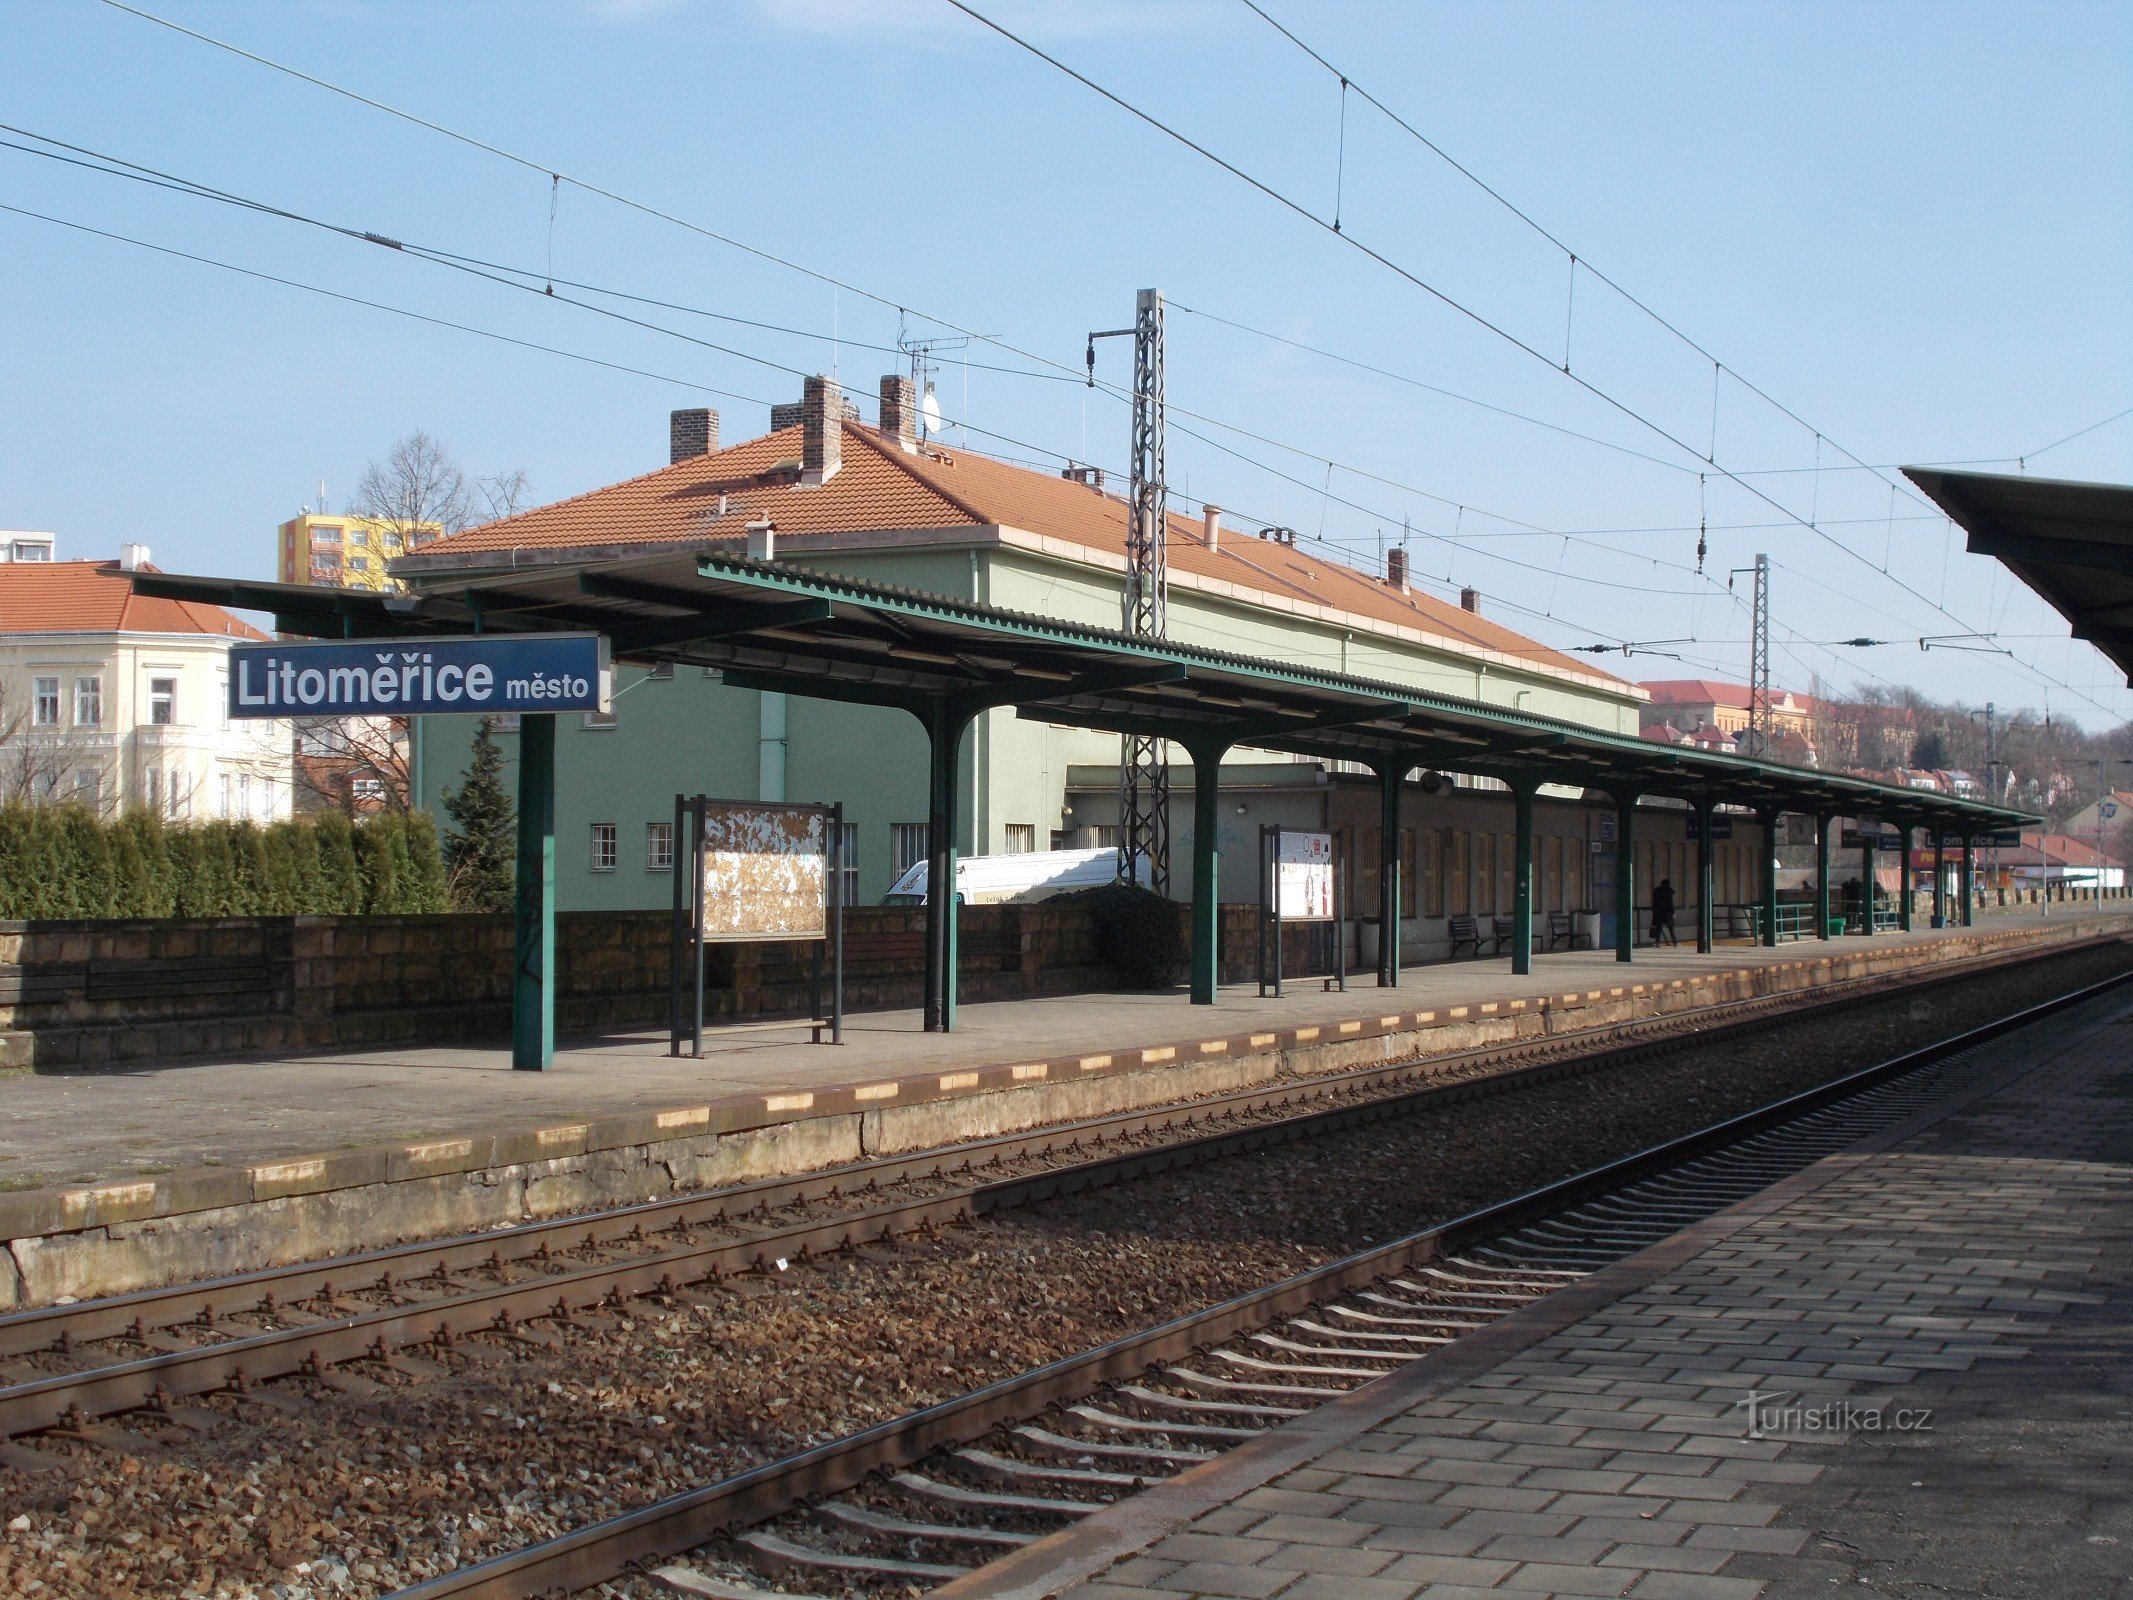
(1710,691)
(881,487)
(98,597)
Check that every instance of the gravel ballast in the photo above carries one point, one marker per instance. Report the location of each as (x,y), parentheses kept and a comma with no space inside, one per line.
(492,1445)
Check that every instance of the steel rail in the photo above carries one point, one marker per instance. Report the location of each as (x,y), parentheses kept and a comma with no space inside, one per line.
(314,1347)
(394,1268)
(616,1546)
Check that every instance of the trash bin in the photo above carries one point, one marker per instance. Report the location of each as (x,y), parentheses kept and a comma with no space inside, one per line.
(1836,927)
(1587,927)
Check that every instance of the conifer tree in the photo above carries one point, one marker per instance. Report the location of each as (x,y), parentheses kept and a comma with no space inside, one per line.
(481,853)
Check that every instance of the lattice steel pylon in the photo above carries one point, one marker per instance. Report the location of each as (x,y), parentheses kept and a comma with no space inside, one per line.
(1144,767)
(1759,663)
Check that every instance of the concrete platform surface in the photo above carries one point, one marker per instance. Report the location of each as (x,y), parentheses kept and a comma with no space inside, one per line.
(1955,1297)
(111,1127)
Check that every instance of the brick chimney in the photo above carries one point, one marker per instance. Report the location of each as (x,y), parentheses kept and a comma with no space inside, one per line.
(1211,526)
(821,430)
(691,433)
(1470,600)
(1396,568)
(899,410)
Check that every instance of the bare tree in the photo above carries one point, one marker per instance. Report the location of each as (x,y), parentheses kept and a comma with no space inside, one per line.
(354,764)
(504,493)
(33,760)
(416,488)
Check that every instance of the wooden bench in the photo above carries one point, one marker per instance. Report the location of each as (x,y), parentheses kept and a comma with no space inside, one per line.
(1506,931)
(1563,928)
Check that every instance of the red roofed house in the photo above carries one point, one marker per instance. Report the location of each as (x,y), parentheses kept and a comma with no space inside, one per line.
(114,699)
(884,505)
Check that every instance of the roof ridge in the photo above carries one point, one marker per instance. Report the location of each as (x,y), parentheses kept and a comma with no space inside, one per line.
(903,460)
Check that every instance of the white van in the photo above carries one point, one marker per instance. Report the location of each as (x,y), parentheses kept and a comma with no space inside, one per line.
(1016,879)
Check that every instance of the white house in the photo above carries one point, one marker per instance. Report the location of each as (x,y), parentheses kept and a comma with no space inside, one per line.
(115,699)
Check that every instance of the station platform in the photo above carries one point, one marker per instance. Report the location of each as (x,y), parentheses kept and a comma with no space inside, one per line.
(122,1180)
(1937,1325)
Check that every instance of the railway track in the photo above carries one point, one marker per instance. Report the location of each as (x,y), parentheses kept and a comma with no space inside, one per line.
(66,1370)
(930,1497)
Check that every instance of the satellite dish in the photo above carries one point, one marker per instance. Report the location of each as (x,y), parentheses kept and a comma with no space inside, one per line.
(929,414)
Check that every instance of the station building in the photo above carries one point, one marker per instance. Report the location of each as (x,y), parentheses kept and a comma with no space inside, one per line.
(881,505)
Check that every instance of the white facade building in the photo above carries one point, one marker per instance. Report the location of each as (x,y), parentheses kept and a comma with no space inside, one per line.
(113,699)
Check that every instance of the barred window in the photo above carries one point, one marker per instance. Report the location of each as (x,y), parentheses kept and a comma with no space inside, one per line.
(659,847)
(603,847)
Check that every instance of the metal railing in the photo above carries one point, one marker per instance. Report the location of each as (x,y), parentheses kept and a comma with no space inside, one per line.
(1794,921)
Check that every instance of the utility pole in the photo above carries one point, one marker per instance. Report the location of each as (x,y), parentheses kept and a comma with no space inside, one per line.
(1144,770)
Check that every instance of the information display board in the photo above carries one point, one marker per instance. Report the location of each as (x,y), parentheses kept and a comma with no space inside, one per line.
(752,870)
(1303,876)
(1300,881)
(765,871)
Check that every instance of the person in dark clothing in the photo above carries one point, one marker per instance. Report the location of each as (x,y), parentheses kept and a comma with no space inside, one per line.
(1663,912)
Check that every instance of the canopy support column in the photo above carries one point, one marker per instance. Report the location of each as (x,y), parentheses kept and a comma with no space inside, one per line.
(1822,821)
(533,972)
(1767,880)
(1392,782)
(1903,873)
(1969,882)
(1867,831)
(1206,912)
(1522,790)
(1625,875)
(1940,877)
(945,721)
(1706,880)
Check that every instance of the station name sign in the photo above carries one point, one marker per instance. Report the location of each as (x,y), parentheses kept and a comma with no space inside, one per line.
(421,676)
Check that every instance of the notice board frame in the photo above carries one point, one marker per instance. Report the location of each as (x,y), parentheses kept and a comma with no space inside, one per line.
(686,991)
(1270,918)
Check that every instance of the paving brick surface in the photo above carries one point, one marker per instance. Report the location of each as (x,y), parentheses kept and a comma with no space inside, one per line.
(1973,1282)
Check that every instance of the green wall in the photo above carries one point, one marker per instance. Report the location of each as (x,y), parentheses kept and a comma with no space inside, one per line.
(692,734)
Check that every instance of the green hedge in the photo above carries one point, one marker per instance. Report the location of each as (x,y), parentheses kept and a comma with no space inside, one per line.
(1138,934)
(64,862)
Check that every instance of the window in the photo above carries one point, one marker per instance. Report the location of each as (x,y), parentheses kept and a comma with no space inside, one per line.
(1433,874)
(359,563)
(1484,874)
(325,533)
(162,701)
(152,788)
(367,790)
(603,847)
(907,847)
(1021,837)
(89,788)
(223,785)
(44,704)
(244,794)
(659,847)
(1461,902)
(88,702)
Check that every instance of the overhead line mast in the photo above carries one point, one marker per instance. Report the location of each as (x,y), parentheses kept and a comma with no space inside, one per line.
(1144,765)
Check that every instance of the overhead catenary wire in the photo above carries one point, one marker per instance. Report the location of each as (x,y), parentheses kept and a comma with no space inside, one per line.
(525,280)
(556,177)
(1460,308)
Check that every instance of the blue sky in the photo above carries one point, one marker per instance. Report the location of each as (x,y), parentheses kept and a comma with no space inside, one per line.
(1913,225)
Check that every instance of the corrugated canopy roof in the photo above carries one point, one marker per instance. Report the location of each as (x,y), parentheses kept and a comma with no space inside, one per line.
(790,629)
(2070,542)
